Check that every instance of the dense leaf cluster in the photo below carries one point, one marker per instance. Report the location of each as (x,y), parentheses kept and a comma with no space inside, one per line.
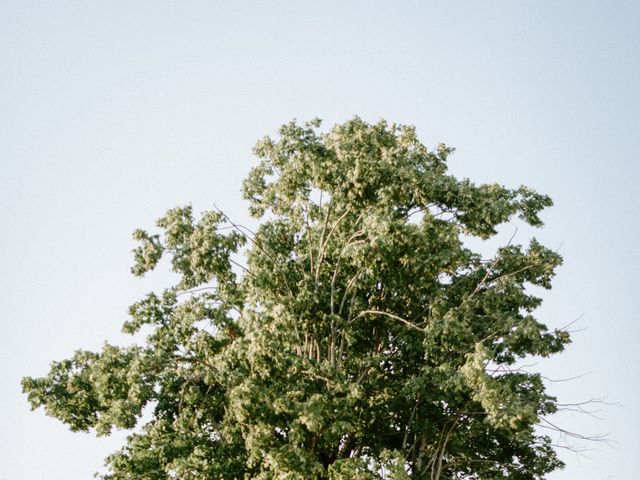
(361,339)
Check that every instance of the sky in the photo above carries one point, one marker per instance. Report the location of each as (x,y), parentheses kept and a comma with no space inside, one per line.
(111,112)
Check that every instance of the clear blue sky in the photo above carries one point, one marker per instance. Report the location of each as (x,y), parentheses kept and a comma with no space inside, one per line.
(111,112)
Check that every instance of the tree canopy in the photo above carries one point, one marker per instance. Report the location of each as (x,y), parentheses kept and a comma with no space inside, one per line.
(353,335)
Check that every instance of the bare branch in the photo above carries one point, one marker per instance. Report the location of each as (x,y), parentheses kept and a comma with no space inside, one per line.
(387,314)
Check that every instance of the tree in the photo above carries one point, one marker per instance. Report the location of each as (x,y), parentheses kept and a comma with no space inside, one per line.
(360,337)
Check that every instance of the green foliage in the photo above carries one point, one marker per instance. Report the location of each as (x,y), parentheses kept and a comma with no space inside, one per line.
(362,339)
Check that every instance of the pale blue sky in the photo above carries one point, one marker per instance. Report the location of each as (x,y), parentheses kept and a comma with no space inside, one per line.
(111,112)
